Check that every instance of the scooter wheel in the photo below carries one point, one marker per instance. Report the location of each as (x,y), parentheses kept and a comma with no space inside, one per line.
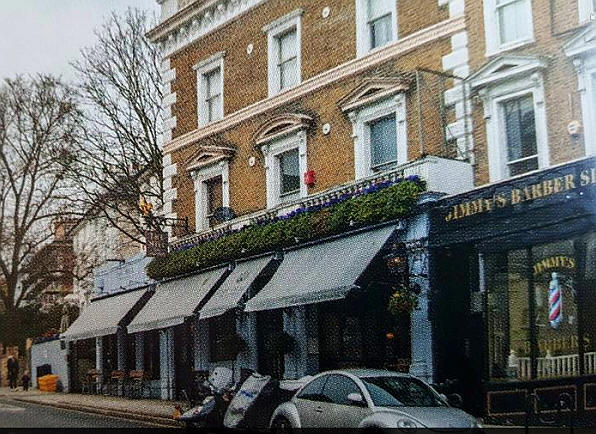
(281,424)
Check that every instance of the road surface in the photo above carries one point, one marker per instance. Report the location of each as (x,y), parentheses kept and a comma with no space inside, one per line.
(16,414)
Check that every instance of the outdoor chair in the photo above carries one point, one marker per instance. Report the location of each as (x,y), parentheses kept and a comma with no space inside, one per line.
(137,386)
(116,380)
(91,384)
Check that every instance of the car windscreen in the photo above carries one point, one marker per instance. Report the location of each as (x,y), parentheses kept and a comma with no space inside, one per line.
(400,392)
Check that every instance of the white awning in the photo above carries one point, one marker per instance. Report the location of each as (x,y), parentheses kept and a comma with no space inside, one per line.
(230,293)
(321,272)
(103,315)
(175,300)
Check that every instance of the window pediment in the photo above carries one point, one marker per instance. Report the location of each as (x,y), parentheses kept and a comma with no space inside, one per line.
(208,155)
(281,126)
(505,68)
(583,43)
(372,90)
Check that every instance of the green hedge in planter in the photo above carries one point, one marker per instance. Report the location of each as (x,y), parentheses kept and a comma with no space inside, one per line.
(396,201)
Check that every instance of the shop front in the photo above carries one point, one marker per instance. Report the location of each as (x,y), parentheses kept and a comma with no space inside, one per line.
(326,307)
(514,290)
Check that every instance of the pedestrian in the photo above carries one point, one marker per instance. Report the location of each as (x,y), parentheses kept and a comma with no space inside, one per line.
(26,379)
(13,371)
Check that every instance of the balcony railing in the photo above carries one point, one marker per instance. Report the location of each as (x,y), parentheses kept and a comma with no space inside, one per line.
(440,174)
(557,366)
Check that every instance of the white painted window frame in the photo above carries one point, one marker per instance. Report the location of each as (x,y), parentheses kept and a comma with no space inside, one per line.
(362,117)
(200,178)
(586,74)
(492,30)
(273,31)
(271,150)
(586,11)
(203,68)
(493,97)
(362,32)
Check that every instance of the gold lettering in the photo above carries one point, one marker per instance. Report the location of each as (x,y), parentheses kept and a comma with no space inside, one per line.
(536,191)
(584,178)
(488,204)
(571,262)
(515,196)
(547,187)
(569,182)
(527,194)
(501,200)
(558,184)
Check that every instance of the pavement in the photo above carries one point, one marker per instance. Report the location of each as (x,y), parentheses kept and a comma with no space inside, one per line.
(152,411)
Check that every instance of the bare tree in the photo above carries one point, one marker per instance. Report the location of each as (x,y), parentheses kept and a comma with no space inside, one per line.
(39,128)
(120,159)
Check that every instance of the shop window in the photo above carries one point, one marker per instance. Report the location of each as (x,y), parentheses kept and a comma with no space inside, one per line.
(535,306)
(222,337)
(376,22)
(151,358)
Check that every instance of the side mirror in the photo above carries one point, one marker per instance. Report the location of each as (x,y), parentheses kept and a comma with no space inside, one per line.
(455,400)
(356,399)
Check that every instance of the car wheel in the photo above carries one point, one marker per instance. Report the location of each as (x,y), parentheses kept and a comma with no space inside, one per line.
(281,424)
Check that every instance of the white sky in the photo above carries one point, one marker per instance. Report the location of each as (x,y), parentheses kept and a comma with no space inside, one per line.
(45,35)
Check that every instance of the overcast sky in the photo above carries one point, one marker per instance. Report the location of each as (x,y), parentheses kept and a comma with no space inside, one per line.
(45,35)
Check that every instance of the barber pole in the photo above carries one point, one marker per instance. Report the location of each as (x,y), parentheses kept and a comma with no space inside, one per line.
(555,302)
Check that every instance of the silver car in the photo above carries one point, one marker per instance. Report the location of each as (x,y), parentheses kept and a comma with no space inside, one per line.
(367,398)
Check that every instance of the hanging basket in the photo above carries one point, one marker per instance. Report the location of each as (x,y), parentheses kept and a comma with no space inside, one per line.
(402,301)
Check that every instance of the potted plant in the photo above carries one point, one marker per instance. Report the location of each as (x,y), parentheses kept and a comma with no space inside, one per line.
(402,301)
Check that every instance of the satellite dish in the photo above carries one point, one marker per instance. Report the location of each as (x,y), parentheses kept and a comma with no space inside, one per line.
(224,214)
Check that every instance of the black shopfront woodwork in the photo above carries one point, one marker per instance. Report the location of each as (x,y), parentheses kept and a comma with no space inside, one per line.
(513,283)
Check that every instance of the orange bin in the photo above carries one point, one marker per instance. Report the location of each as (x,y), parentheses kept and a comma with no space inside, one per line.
(48,383)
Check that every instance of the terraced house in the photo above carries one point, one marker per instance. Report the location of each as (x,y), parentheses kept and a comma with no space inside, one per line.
(372,183)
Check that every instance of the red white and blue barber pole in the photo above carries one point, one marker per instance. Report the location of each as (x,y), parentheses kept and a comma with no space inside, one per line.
(555,302)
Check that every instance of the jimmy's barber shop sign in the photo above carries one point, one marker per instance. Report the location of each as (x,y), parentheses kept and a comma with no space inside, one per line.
(533,190)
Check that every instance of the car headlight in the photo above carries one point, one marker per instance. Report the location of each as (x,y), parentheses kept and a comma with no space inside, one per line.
(406,423)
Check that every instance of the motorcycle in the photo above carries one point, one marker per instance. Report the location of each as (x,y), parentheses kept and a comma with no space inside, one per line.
(209,413)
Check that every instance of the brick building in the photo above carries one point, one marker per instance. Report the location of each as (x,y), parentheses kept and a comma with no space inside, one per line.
(276,106)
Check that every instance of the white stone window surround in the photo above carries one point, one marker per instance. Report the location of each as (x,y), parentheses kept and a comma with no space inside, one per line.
(204,68)
(363,43)
(200,178)
(271,150)
(586,9)
(493,31)
(362,117)
(582,50)
(274,30)
(493,97)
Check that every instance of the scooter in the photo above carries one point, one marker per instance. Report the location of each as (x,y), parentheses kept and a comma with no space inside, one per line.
(209,413)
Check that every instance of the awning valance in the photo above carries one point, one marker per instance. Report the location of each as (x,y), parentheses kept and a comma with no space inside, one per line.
(321,272)
(103,315)
(230,293)
(175,300)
